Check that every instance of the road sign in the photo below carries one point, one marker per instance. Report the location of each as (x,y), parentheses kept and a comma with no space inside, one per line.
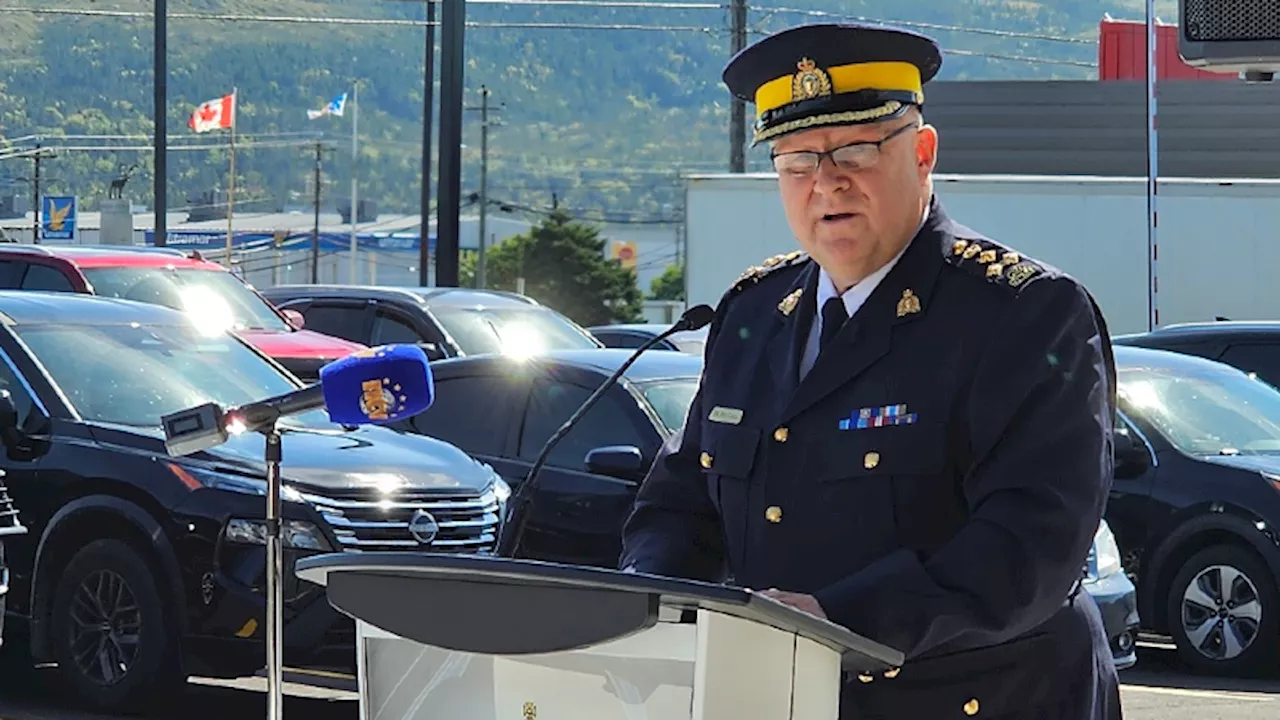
(58,218)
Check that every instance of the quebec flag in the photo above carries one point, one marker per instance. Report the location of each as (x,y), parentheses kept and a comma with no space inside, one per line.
(334,107)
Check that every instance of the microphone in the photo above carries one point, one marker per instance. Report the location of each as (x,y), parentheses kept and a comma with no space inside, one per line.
(521,500)
(374,386)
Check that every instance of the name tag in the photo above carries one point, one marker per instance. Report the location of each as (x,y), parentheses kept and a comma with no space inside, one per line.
(728,416)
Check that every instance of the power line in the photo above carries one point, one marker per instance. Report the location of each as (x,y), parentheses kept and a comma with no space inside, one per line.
(9,155)
(926,25)
(582,215)
(1020,58)
(594,4)
(297,19)
(996,56)
(707,30)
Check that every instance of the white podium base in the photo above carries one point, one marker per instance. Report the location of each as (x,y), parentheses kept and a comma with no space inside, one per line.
(721,668)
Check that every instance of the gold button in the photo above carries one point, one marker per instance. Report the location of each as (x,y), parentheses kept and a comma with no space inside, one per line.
(870,460)
(773,514)
(892,673)
(865,678)
(780,434)
(971,707)
(705,460)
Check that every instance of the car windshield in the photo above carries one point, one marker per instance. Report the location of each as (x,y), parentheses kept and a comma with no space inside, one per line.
(670,399)
(1205,412)
(512,331)
(213,297)
(693,342)
(134,374)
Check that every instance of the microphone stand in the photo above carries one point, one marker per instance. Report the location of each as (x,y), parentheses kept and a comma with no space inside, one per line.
(275,576)
(518,513)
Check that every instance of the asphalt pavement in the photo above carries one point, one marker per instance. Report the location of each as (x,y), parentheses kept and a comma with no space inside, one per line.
(1155,689)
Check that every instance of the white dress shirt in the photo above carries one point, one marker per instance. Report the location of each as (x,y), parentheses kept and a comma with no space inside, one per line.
(853,298)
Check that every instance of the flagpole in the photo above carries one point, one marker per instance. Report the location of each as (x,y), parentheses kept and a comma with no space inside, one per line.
(355,203)
(231,183)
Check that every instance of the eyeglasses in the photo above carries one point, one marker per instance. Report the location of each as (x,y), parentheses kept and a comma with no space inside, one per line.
(855,156)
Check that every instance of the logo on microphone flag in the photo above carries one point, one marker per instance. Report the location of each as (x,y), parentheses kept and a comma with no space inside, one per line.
(379,397)
(378,384)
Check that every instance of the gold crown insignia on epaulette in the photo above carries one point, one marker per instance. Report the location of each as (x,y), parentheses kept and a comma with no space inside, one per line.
(753,274)
(995,263)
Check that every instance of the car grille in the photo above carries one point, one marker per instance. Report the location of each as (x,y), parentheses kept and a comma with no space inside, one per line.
(9,524)
(468,523)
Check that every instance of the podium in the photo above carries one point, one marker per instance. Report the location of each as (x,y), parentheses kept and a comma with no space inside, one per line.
(460,637)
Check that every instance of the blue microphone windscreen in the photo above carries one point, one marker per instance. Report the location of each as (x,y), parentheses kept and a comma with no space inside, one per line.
(379,385)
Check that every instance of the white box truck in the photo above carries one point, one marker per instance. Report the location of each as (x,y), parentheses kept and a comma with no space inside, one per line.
(1218,240)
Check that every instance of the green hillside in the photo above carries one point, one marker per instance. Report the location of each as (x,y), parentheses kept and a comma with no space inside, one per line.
(601,117)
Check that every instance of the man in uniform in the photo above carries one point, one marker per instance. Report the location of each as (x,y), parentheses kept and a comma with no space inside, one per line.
(904,428)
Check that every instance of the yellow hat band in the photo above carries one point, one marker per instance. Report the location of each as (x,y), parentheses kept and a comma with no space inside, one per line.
(811,81)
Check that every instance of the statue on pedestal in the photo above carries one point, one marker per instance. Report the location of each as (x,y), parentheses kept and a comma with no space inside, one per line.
(117,186)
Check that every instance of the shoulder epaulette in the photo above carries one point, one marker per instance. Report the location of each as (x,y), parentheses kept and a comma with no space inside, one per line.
(993,262)
(773,264)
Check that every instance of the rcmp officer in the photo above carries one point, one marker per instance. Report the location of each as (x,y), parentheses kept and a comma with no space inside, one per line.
(905,427)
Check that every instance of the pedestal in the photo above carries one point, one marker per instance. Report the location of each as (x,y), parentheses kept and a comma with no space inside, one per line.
(467,638)
(117,222)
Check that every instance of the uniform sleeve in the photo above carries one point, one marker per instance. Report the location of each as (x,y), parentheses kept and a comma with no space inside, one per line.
(1039,414)
(674,529)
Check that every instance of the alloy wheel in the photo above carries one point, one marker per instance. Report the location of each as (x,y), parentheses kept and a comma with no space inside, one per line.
(106,623)
(1221,612)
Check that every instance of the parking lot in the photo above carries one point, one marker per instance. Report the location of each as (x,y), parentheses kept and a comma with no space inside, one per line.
(1154,690)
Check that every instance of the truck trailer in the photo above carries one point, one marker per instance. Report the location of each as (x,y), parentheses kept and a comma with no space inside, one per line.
(1217,247)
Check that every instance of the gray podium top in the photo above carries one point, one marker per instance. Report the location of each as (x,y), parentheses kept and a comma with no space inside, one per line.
(491,605)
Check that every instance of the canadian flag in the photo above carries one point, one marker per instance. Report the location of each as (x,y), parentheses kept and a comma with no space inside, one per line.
(218,114)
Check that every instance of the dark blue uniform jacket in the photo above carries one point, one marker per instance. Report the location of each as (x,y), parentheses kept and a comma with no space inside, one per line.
(935,481)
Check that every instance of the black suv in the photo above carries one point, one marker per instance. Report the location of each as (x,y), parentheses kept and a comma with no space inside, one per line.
(447,322)
(141,569)
(9,528)
(1251,346)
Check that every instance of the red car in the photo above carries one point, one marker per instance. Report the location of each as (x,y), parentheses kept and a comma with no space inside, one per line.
(185,281)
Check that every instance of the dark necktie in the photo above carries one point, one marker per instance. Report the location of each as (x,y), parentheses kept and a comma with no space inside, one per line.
(834,316)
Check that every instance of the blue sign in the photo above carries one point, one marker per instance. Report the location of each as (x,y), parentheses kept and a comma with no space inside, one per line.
(58,218)
(213,241)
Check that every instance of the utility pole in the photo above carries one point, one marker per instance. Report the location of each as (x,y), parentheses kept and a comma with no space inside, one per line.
(159,86)
(35,192)
(428,107)
(315,229)
(484,181)
(737,108)
(453,18)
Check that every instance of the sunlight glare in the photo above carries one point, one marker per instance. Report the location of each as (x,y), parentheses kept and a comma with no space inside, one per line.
(209,311)
(521,340)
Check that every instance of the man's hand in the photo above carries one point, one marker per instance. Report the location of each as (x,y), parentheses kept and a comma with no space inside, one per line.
(805,603)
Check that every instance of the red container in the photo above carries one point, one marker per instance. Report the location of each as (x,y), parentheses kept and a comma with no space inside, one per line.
(1122,53)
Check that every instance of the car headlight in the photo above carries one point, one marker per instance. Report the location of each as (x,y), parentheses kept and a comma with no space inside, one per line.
(296,534)
(501,489)
(1104,556)
(190,475)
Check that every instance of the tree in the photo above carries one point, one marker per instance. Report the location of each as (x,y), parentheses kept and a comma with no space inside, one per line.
(564,267)
(669,285)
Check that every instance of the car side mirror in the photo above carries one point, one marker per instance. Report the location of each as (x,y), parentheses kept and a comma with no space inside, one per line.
(620,461)
(433,351)
(1130,453)
(10,435)
(8,412)
(295,318)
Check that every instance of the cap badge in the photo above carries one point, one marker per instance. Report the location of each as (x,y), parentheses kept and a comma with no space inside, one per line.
(810,82)
(909,304)
(789,302)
